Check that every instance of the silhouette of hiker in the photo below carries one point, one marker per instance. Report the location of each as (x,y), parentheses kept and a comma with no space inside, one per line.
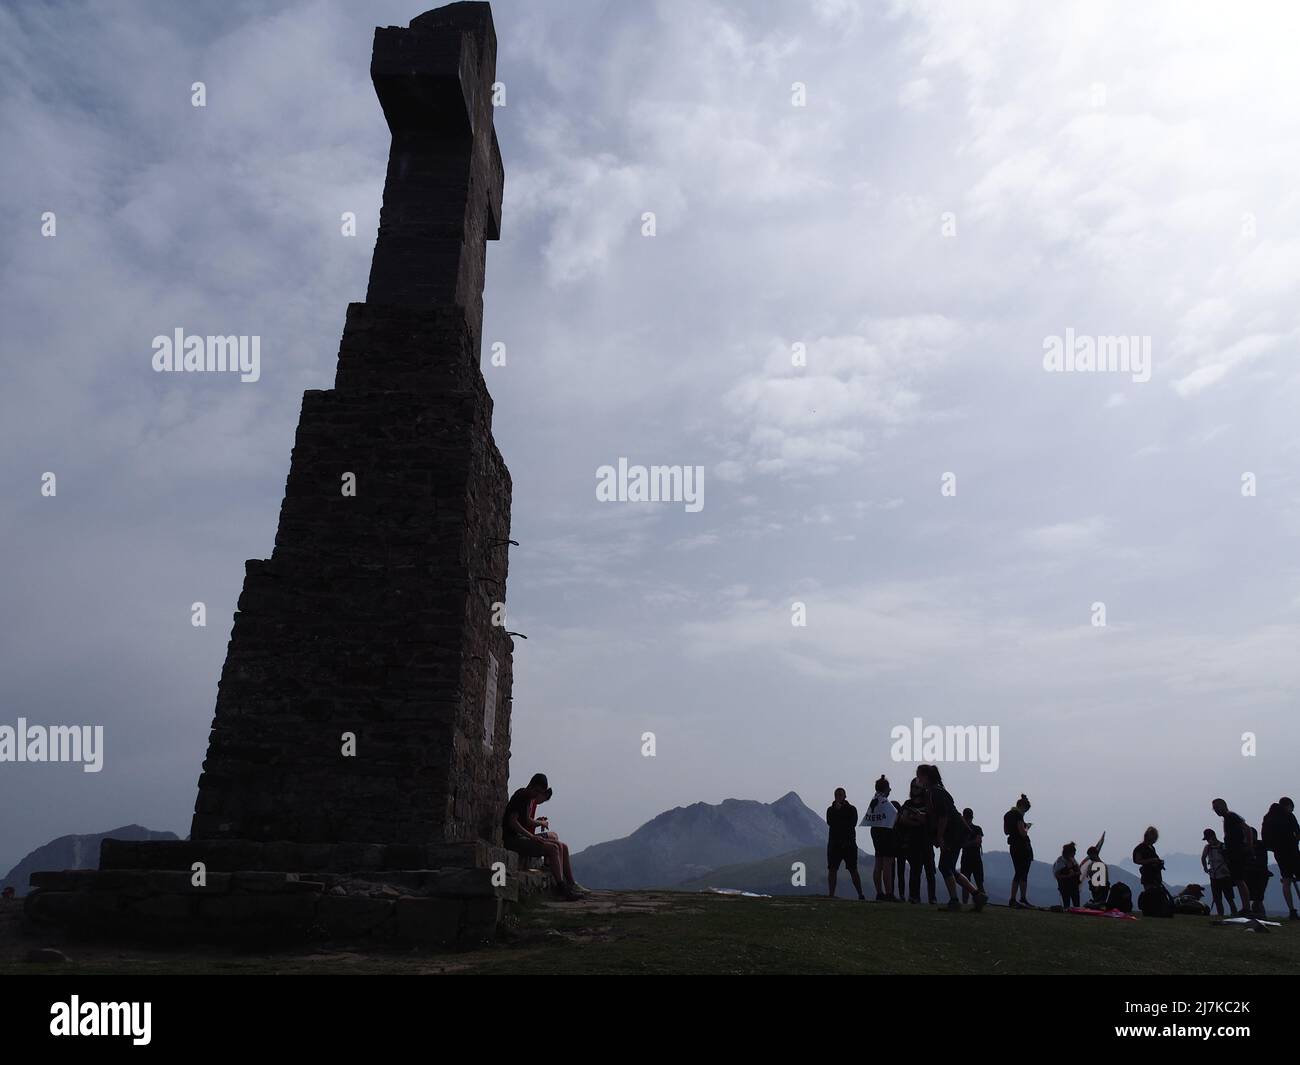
(948,831)
(1022,851)
(842,842)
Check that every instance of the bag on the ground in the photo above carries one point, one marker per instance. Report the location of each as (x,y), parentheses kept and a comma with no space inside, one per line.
(1120,898)
(1155,902)
(1190,904)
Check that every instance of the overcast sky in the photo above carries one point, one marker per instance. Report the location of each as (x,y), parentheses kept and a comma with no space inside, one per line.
(965,181)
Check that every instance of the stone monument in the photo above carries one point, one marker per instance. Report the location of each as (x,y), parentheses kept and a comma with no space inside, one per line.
(358,759)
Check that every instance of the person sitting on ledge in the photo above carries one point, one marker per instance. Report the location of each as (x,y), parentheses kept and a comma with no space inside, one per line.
(544,832)
(518,828)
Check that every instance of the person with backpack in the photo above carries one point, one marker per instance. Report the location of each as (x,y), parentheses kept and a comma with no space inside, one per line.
(1281,834)
(1236,849)
(948,830)
(1216,868)
(1022,851)
(1067,873)
(880,818)
(972,854)
(1155,900)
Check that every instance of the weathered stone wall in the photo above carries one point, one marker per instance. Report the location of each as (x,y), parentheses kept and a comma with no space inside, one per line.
(374,614)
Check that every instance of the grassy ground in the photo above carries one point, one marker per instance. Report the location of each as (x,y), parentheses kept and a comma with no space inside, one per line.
(671,932)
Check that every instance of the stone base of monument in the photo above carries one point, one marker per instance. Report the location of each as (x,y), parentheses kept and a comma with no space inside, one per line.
(436,895)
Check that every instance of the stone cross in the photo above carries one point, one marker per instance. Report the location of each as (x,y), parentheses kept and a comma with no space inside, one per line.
(442,195)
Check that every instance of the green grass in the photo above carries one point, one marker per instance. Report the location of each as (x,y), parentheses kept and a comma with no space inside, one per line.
(669,932)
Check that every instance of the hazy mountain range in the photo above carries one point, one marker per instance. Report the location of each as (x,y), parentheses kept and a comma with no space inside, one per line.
(751,846)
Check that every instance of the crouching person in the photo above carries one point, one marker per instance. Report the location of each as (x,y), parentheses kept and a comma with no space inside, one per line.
(518,830)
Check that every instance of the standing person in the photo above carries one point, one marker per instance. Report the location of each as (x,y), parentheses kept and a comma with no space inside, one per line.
(1258,873)
(920,850)
(1022,851)
(1153,898)
(900,851)
(1281,835)
(880,817)
(1093,872)
(1067,873)
(1216,868)
(842,841)
(949,832)
(972,854)
(1236,849)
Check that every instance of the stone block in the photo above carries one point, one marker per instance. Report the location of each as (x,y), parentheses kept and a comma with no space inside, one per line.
(431,922)
(353,916)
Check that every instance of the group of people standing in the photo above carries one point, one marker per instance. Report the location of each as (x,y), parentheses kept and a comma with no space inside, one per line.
(905,836)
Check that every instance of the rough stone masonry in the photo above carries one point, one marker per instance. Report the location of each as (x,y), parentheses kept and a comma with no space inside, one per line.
(363,714)
(373,618)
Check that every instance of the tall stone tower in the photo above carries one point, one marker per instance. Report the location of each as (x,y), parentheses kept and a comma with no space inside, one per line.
(366,690)
(357,765)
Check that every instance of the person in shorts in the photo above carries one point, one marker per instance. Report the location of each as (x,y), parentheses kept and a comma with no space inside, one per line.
(1281,834)
(1237,849)
(948,831)
(879,818)
(518,830)
(842,841)
(1216,868)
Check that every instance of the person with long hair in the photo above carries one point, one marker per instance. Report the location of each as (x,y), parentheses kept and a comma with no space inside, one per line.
(1022,851)
(948,831)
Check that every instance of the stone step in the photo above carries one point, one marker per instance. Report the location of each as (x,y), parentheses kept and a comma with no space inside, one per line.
(227,855)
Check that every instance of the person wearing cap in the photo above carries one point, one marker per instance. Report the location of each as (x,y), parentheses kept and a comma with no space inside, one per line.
(1216,868)
(518,832)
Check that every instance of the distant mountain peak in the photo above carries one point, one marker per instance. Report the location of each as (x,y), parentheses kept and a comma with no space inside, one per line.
(682,842)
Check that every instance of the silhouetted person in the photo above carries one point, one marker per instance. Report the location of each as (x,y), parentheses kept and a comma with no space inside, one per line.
(1093,872)
(920,851)
(1066,871)
(948,831)
(842,841)
(972,853)
(879,818)
(517,832)
(1216,868)
(1022,851)
(1236,849)
(1281,835)
(1257,872)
